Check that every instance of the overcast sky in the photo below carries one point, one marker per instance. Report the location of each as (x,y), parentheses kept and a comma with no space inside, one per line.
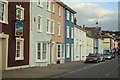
(90,12)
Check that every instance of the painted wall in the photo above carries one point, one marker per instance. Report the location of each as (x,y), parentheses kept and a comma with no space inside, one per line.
(89,45)
(106,44)
(100,45)
(10,30)
(37,36)
(68,40)
(95,46)
(58,39)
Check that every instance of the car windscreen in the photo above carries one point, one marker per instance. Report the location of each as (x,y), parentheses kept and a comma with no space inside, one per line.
(91,55)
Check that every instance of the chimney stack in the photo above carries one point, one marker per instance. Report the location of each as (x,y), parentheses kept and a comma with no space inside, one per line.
(75,21)
(83,26)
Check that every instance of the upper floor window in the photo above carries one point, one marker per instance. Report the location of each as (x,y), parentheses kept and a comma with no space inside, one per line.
(59,11)
(39,23)
(19,13)
(4,12)
(48,5)
(67,31)
(48,25)
(72,33)
(39,2)
(53,7)
(52,27)
(72,17)
(68,15)
(58,29)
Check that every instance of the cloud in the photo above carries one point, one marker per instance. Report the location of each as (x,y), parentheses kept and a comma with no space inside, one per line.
(89,13)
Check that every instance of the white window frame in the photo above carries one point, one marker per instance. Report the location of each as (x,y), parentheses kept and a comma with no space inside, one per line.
(62,51)
(39,30)
(72,17)
(41,51)
(72,50)
(48,3)
(68,31)
(59,26)
(68,50)
(22,12)
(53,7)
(21,49)
(48,25)
(59,11)
(52,26)
(39,5)
(5,16)
(72,33)
(68,15)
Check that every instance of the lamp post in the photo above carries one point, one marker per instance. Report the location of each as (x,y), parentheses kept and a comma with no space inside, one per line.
(50,52)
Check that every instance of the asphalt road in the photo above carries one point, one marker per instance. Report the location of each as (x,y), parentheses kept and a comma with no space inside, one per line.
(107,69)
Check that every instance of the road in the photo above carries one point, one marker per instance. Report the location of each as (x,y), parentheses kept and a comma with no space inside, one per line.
(107,69)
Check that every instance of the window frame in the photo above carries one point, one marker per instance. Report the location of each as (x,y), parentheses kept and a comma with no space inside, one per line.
(72,17)
(48,26)
(68,50)
(59,27)
(59,11)
(21,49)
(52,26)
(48,5)
(72,33)
(68,30)
(68,15)
(22,12)
(39,5)
(39,30)
(53,7)
(5,17)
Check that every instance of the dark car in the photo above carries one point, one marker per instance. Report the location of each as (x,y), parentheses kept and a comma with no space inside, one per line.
(107,56)
(93,58)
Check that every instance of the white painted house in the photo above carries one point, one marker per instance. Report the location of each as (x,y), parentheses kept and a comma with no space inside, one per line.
(79,43)
(40,33)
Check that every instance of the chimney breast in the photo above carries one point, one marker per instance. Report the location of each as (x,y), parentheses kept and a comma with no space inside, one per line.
(75,21)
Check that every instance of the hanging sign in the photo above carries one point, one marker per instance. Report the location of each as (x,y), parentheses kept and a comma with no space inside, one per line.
(19,29)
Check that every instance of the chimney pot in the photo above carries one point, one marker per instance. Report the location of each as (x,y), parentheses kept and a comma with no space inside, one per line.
(75,21)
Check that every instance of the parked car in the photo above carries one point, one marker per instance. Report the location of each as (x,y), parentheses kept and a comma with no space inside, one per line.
(102,58)
(93,58)
(113,55)
(107,56)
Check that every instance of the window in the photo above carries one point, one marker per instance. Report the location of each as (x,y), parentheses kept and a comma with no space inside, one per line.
(41,51)
(19,13)
(44,51)
(58,10)
(38,51)
(72,33)
(72,17)
(67,15)
(58,55)
(63,50)
(39,24)
(4,12)
(72,52)
(39,3)
(48,26)
(58,29)
(19,48)
(67,31)
(52,28)
(53,8)
(68,52)
(48,5)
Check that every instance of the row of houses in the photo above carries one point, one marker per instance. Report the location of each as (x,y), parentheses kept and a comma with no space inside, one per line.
(42,33)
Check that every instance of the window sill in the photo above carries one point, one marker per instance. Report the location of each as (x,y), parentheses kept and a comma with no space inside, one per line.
(19,59)
(53,12)
(39,31)
(48,33)
(42,61)
(67,37)
(4,22)
(59,35)
(48,10)
(40,6)
(53,34)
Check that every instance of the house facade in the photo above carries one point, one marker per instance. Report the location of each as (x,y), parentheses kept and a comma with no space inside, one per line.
(14,34)
(57,31)
(69,33)
(40,33)
(100,45)
(79,43)
(95,45)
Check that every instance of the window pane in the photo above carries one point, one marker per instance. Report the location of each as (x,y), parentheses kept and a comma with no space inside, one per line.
(58,50)
(47,25)
(62,50)
(39,50)
(39,2)
(44,51)
(1,11)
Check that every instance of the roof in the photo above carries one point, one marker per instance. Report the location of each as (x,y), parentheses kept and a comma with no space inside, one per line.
(77,26)
(94,29)
(70,9)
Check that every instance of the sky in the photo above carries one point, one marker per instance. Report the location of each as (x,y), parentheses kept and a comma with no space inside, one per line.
(90,11)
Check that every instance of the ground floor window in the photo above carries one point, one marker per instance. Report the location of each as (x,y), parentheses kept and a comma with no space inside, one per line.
(41,50)
(19,48)
(60,51)
(68,51)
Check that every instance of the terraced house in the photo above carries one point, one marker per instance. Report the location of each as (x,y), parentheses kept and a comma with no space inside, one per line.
(40,32)
(57,31)
(14,34)
(69,33)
